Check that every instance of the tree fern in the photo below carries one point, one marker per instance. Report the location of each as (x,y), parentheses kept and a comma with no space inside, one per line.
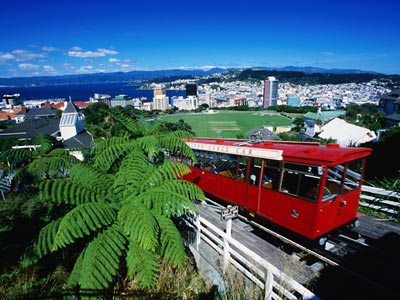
(110,151)
(91,179)
(46,238)
(133,126)
(75,276)
(132,174)
(140,225)
(41,246)
(45,143)
(172,248)
(143,265)
(55,162)
(65,191)
(101,259)
(167,203)
(122,205)
(81,221)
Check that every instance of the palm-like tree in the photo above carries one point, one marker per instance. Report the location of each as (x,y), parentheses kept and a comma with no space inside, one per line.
(123,210)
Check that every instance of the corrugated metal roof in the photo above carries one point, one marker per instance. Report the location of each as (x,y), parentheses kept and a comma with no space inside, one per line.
(324,115)
(345,133)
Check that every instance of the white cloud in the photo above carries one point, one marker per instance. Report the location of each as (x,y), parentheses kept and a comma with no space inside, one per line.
(85,54)
(100,52)
(6,56)
(76,49)
(85,69)
(21,55)
(125,65)
(48,69)
(113,59)
(107,51)
(28,67)
(49,48)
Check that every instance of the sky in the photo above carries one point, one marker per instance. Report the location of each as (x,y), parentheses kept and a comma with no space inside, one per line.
(60,37)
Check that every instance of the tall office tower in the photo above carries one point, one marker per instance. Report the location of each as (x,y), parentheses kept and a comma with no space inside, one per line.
(160,99)
(191,89)
(271,86)
(159,90)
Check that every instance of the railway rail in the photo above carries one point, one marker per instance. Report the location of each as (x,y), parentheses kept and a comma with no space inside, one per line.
(339,252)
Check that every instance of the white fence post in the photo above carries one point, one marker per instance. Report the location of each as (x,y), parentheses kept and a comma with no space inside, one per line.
(226,243)
(198,233)
(268,285)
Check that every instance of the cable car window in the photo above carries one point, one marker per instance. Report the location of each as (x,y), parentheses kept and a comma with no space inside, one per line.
(255,171)
(301,180)
(334,181)
(200,158)
(228,165)
(271,175)
(343,178)
(241,169)
(353,175)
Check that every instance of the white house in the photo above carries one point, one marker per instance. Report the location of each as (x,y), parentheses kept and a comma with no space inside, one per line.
(346,134)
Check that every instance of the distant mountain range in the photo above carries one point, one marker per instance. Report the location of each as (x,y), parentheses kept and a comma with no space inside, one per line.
(133,76)
(311,70)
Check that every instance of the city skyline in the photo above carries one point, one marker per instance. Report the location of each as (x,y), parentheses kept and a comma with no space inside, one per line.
(70,37)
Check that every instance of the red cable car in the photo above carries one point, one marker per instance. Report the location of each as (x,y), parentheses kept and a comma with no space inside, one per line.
(306,188)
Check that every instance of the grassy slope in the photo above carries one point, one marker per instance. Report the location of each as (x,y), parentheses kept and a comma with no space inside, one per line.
(227,124)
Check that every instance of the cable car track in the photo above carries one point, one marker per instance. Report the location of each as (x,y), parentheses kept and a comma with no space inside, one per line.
(336,249)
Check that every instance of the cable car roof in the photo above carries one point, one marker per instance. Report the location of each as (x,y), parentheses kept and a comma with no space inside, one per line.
(278,150)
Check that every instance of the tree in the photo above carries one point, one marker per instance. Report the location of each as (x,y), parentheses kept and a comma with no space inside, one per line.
(123,208)
(96,113)
(298,123)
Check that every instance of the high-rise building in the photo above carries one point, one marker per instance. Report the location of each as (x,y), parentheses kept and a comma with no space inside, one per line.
(271,86)
(160,99)
(191,89)
(159,90)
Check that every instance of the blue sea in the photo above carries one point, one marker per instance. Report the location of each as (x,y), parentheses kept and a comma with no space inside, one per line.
(82,92)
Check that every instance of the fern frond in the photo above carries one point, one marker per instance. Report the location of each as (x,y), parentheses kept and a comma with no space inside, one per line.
(131,173)
(44,141)
(166,171)
(102,259)
(16,155)
(75,275)
(139,224)
(91,178)
(110,151)
(172,248)
(49,164)
(46,238)
(81,221)
(68,192)
(42,245)
(143,265)
(149,144)
(166,202)
(174,141)
(134,127)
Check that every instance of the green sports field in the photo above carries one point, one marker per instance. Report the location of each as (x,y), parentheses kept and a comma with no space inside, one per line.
(225,124)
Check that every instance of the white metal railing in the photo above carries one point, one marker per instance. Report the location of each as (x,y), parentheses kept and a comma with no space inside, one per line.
(273,283)
(380,200)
